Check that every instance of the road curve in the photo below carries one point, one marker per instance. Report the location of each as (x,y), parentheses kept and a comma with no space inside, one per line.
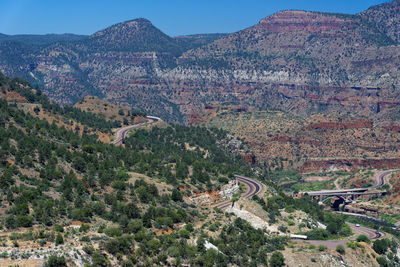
(122,132)
(369,232)
(331,244)
(380,180)
(253,188)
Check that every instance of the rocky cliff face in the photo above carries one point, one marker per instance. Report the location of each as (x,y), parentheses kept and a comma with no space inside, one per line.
(348,165)
(332,125)
(301,21)
(297,61)
(321,142)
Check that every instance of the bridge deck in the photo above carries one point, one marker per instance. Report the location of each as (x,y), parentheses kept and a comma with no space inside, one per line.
(347,193)
(336,191)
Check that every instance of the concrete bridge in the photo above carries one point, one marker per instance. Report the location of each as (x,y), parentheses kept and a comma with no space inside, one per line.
(346,195)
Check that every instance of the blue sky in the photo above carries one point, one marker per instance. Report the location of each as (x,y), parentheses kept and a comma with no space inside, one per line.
(174,17)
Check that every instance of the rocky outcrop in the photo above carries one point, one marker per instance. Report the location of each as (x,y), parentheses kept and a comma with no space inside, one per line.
(393,128)
(204,198)
(348,165)
(297,21)
(332,125)
(249,158)
(210,197)
(295,139)
(227,191)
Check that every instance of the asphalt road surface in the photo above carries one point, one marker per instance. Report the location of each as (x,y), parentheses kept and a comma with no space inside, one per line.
(380,180)
(358,230)
(122,132)
(253,188)
(370,233)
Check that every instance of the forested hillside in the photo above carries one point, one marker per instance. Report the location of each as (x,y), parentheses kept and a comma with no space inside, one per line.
(67,198)
(51,177)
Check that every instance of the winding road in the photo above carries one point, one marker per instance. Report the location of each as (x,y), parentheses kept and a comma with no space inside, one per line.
(369,232)
(380,180)
(331,244)
(253,188)
(122,132)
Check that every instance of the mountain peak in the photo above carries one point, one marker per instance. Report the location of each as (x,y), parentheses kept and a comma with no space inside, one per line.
(131,25)
(137,35)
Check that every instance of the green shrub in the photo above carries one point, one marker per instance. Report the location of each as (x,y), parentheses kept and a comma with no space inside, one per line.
(100,259)
(58,228)
(184,233)
(290,208)
(277,259)
(322,247)
(113,231)
(121,244)
(59,239)
(223,180)
(153,245)
(352,244)
(88,249)
(4,255)
(340,249)
(317,234)
(363,238)
(85,239)
(302,225)
(282,228)
(23,221)
(84,228)
(83,214)
(381,245)
(134,226)
(383,262)
(56,261)
(176,195)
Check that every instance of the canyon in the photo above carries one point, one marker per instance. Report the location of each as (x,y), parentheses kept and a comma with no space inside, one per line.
(297,61)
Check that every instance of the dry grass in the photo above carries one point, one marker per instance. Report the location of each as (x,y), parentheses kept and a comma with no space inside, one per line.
(105,109)
(161,185)
(61,121)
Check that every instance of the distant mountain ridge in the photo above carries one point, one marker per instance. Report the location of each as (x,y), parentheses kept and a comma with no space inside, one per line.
(297,61)
(37,39)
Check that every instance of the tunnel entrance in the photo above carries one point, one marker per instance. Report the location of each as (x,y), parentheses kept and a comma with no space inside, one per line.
(337,202)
